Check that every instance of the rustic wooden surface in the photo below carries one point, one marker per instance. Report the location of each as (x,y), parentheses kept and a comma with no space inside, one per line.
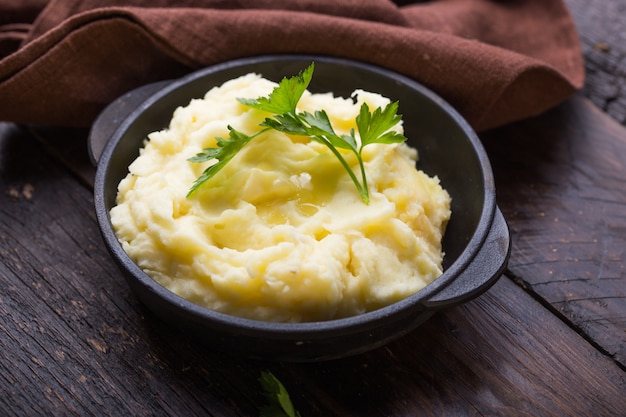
(549,339)
(602,29)
(561,182)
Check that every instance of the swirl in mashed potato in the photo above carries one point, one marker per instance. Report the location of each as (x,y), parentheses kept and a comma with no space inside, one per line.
(280,233)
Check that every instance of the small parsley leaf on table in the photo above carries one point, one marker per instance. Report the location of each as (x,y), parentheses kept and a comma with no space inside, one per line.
(279,402)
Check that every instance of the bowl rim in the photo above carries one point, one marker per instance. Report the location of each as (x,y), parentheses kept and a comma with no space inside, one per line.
(247,325)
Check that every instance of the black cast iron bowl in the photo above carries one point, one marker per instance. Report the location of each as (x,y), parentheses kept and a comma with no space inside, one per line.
(476,242)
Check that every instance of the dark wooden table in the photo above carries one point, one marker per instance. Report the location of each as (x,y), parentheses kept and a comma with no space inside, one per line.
(549,339)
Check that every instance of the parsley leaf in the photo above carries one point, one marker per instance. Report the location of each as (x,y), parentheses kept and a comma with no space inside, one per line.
(226,150)
(282,102)
(374,127)
(279,402)
(284,98)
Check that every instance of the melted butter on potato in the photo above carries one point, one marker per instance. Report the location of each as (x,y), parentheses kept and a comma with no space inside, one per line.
(280,233)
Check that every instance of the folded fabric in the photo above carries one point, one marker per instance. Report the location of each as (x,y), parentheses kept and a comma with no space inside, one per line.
(495,61)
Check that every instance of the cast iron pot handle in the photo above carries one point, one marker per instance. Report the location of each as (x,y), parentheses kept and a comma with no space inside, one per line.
(482,272)
(114,114)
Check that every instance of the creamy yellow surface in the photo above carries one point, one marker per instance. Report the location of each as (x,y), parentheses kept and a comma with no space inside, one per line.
(281,233)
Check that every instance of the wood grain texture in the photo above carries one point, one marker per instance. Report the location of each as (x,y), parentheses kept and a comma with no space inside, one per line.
(602,29)
(75,341)
(561,182)
(501,354)
(549,339)
(69,147)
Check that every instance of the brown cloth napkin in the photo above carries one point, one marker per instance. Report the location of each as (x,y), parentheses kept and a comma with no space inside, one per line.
(62,61)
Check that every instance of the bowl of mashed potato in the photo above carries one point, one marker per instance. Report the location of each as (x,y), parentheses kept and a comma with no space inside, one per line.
(277,256)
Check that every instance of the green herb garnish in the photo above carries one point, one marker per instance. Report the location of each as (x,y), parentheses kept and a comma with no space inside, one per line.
(279,403)
(282,102)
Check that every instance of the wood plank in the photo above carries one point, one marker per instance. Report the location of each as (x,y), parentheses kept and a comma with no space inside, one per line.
(69,146)
(603,38)
(74,340)
(561,182)
(501,354)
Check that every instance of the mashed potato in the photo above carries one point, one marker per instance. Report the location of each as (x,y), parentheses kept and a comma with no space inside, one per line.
(280,233)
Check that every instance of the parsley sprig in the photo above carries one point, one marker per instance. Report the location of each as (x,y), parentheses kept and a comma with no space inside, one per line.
(282,103)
